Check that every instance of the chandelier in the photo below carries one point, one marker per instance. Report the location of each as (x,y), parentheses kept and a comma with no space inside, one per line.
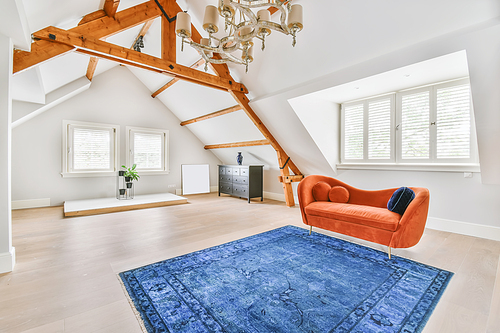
(241,26)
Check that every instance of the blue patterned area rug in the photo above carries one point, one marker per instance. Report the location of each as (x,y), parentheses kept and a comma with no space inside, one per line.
(284,280)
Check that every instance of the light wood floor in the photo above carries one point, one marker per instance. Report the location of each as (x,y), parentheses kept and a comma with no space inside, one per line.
(65,277)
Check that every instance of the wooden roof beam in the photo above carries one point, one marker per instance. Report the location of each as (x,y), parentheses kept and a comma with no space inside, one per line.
(290,179)
(243,102)
(168,36)
(102,27)
(100,48)
(143,32)
(175,80)
(238,144)
(110,7)
(91,67)
(212,115)
(92,16)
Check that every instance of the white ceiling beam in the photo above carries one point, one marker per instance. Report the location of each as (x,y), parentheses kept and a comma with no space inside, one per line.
(14,24)
(56,97)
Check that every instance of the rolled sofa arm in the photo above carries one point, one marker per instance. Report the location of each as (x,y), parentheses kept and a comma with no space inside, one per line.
(304,192)
(412,224)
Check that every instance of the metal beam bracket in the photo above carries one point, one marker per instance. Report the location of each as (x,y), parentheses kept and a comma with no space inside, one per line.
(288,159)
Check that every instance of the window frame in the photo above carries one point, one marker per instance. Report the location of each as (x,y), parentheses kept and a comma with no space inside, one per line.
(130,130)
(68,127)
(429,164)
(366,103)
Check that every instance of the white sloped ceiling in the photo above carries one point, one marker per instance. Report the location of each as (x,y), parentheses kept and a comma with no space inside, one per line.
(342,41)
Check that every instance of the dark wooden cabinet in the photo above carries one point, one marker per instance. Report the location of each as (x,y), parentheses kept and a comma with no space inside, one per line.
(244,181)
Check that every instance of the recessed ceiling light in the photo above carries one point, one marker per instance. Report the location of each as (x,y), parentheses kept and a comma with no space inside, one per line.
(356,87)
(406,75)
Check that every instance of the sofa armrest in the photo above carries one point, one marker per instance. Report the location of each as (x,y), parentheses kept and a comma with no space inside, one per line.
(304,192)
(412,224)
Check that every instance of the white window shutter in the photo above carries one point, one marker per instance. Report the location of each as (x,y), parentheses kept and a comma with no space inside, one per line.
(91,149)
(353,132)
(415,121)
(148,150)
(379,129)
(453,122)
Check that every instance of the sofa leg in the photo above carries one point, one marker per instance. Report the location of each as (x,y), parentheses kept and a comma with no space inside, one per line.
(310,230)
(389,252)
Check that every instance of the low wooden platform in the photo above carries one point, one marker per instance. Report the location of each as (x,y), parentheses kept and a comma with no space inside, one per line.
(111,205)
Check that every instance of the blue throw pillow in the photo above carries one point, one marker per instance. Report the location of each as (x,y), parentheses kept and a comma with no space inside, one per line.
(400,199)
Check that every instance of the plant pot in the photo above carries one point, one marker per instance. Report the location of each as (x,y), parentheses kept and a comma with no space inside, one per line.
(121,173)
(127,179)
(122,191)
(129,185)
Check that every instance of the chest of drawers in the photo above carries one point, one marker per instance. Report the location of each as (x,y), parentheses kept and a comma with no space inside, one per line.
(244,181)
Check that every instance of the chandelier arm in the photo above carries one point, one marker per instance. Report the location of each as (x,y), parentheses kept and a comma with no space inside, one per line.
(230,57)
(249,14)
(202,48)
(224,60)
(274,26)
(282,7)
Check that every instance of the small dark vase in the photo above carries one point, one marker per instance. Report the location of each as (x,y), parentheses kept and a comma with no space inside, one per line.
(122,191)
(239,158)
(127,179)
(121,173)
(129,185)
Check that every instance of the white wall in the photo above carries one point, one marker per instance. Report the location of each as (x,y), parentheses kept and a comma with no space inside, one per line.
(7,252)
(115,97)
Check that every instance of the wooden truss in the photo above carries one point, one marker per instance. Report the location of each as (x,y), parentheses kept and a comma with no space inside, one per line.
(89,38)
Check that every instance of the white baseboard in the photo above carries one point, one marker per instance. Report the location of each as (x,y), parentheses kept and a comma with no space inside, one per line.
(178,191)
(464,228)
(279,197)
(33,203)
(7,261)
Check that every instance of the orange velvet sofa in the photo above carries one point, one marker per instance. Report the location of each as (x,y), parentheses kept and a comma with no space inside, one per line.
(365,214)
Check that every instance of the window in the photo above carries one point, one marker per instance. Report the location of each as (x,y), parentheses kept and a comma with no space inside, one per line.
(373,144)
(89,149)
(428,125)
(148,148)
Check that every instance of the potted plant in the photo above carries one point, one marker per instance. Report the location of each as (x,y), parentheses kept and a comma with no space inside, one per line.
(130,174)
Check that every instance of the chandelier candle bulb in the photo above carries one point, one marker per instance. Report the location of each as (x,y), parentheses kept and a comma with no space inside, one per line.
(264,15)
(211,19)
(295,18)
(245,31)
(183,25)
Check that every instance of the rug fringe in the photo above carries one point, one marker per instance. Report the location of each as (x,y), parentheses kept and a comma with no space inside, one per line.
(132,305)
